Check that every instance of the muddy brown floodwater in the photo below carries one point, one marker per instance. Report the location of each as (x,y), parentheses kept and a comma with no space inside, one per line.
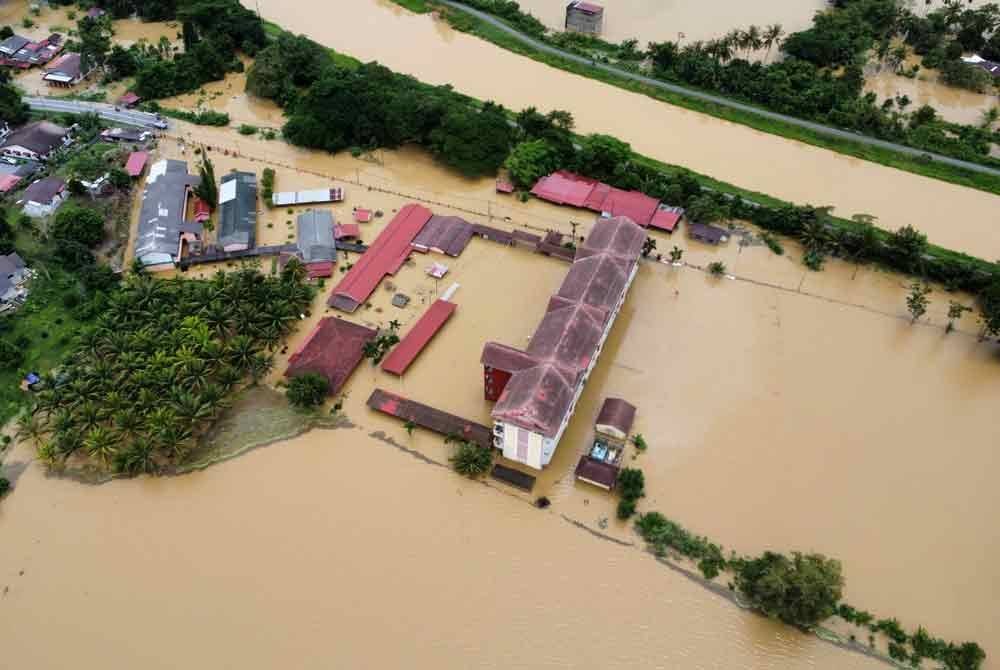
(952,216)
(785,409)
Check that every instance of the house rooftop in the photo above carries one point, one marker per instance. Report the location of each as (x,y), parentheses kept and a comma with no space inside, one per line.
(238,210)
(13,44)
(41,137)
(333,349)
(315,236)
(161,216)
(44,190)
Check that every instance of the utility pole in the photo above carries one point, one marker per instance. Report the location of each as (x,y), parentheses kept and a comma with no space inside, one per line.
(574,224)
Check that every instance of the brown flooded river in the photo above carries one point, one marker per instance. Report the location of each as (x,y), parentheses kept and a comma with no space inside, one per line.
(953,216)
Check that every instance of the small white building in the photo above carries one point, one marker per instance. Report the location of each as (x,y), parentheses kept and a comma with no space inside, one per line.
(43,197)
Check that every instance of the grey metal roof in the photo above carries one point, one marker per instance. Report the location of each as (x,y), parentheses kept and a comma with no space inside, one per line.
(315,236)
(161,217)
(238,209)
(40,137)
(13,44)
(9,264)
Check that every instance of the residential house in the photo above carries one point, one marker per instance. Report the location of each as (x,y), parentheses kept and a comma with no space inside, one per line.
(67,70)
(537,389)
(43,197)
(990,67)
(13,274)
(36,141)
(125,135)
(584,17)
(163,225)
(707,234)
(238,211)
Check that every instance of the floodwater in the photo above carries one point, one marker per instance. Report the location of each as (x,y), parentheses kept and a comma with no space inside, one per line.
(683,20)
(784,409)
(952,103)
(952,216)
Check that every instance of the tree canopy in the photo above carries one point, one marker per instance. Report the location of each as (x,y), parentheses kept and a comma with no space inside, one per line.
(308,390)
(81,225)
(802,590)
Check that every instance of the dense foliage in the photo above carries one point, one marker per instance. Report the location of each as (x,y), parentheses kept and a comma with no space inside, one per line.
(308,390)
(285,66)
(155,369)
(81,225)
(213,31)
(13,110)
(801,590)
(631,486)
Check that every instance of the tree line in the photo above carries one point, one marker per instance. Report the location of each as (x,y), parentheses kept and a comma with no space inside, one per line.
(820,78)
(802,590)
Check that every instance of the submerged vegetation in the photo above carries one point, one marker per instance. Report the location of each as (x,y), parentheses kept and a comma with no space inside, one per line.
(157,366)
(471,459)
(802,590)
(308,390)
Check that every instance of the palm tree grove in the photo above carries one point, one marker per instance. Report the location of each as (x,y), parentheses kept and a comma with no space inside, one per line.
(150,376)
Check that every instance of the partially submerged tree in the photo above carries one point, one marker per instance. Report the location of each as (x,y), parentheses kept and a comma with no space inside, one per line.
(308,390)
(471,459)
(917,301)
(207,190)
(801,590)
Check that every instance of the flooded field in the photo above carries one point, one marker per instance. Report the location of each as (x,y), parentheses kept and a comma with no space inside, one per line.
(953,216)
(786,409)
(953,104)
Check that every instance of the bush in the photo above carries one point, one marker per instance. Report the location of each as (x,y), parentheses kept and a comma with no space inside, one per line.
(4,486)
(308,390)
(471,460)
(626,509)
(78,224)
(802,590)
(247,129)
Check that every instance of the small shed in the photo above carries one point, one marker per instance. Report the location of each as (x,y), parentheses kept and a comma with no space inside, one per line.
(708,234)
(129,100)
(504,186)
(615,419)
(584,17)
(362,215)
(136,163)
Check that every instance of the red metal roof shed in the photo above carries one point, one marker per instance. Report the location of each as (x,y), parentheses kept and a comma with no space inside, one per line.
(8,182)
(384,257)
(667,218)
(333,349)
(422,332)
(136,162)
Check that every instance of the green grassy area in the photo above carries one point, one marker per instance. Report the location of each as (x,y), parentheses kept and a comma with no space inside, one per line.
(917,165)
(44,325)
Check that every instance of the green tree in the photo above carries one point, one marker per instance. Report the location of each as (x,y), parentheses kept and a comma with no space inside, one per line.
(989,311)
(909,245)
(601,156)
(474,143)
(717,268)
(917,301)
(676,254)
(707,209)
(81,225)
(955,312)
(308,390)
(530,161)
(802,590)
(471,460)
(207,189)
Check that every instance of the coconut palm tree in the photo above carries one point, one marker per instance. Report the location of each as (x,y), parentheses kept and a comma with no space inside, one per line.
(772,35)
(100,443)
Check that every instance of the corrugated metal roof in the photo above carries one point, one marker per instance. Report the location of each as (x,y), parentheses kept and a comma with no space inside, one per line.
(238,210)
(417,338)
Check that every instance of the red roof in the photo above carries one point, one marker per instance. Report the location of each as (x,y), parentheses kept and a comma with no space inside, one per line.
(540,393)
(504,186)
(589,7)
(362,215)
(418,337)
(632,204)
(318,269)
(384,257)
(342,230)
(564,188)
(666,218)
(333,349)
(136,162)
(8,182)
(129,99)
(202,212)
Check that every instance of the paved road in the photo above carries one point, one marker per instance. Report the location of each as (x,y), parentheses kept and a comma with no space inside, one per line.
(105,111)
(726,102)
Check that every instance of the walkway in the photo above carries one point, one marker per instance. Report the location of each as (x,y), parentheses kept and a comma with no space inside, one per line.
(716,99)
(432,419)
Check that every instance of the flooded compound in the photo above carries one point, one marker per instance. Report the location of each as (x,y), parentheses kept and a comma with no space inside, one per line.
(784,409)
(952,216)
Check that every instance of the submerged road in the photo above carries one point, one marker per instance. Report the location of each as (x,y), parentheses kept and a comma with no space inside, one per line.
(719,100)
(105,111)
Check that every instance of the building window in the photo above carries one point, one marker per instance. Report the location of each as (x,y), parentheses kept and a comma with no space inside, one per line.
(498,429)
